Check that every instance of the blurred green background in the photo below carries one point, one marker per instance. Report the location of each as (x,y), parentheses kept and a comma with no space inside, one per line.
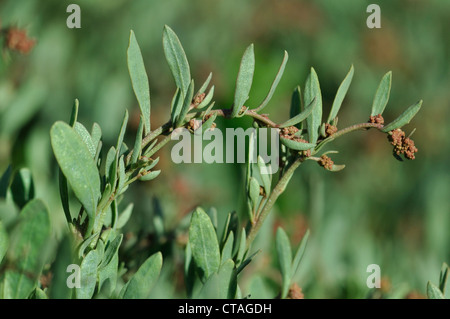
(376,211)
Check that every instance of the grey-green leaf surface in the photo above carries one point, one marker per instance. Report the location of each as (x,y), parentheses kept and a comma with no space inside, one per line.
(296,145)
(186,104)
(299,254)
(274,84)
(77,165)
(207,98)
(138,142)
(442,278)
(433,292)
(4,242)
(86,137)
(284,254)
(27,249)
(205,84)
(296,103)
(139,79)
(177,60)
(382,95)
(340,95)
(253,192)
(125,216)
(142,282)
(312,91)
(404,118)
(220,285)
(204,244)
(59,288)
(227,250)
(244,80)
(88,276)
(149,176)
(301,116)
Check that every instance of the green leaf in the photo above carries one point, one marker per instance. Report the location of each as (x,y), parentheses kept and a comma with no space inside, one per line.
(244,80)
(107,276)
(220,285)
(39,294)
(312,91)
(96,134)
(142,282)
(442,278)
(382,95)
(253,192)
(4,242)
(296,104)
(74,114)
(208,123)
(122,132)
(110,166)
(340,95)
(125,216)
(404,118)
(265,173)
(88,276)
(86,137)
(204,244)
(301,116)
(337,168)
(122,175)
(176,105)
(205,85)
(139,79)
(64,257)
(207,98)
(177,60)
(274,84)
(284,254)
(299,254)
(295,145)
(247,261)
(186,104)
(433,292)
(149,176)
(22,187)
(242,250)
(27,250)
(138,142)
(5,181)
(111,250)
(77,165)
(227,250)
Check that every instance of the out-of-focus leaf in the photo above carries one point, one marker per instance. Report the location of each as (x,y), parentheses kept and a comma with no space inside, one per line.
(242,251)
(442,278)
(266,175)
(337,168)
(125,216)
(227,250)
(4,242)
(177,60)
(382,95)
(5,181)
(253,192)
(274,84)
(139,79)
(142,282)
(27,249)
(296,145)
(244,80)
(340,95)
(433,292)
(284,254)
(204,244)
(22,187)
(220,285)
(64,258)
(312,91)
(404,118)
(301,116)
(299,254)
(77,165)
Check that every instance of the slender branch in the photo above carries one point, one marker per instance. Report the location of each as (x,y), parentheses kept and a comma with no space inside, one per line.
(276,192)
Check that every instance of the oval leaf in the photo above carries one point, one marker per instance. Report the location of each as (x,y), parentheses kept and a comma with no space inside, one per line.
(78,166)
(142,282)
(204,244)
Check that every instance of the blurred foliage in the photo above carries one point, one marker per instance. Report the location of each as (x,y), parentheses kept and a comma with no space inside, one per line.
(377,210)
